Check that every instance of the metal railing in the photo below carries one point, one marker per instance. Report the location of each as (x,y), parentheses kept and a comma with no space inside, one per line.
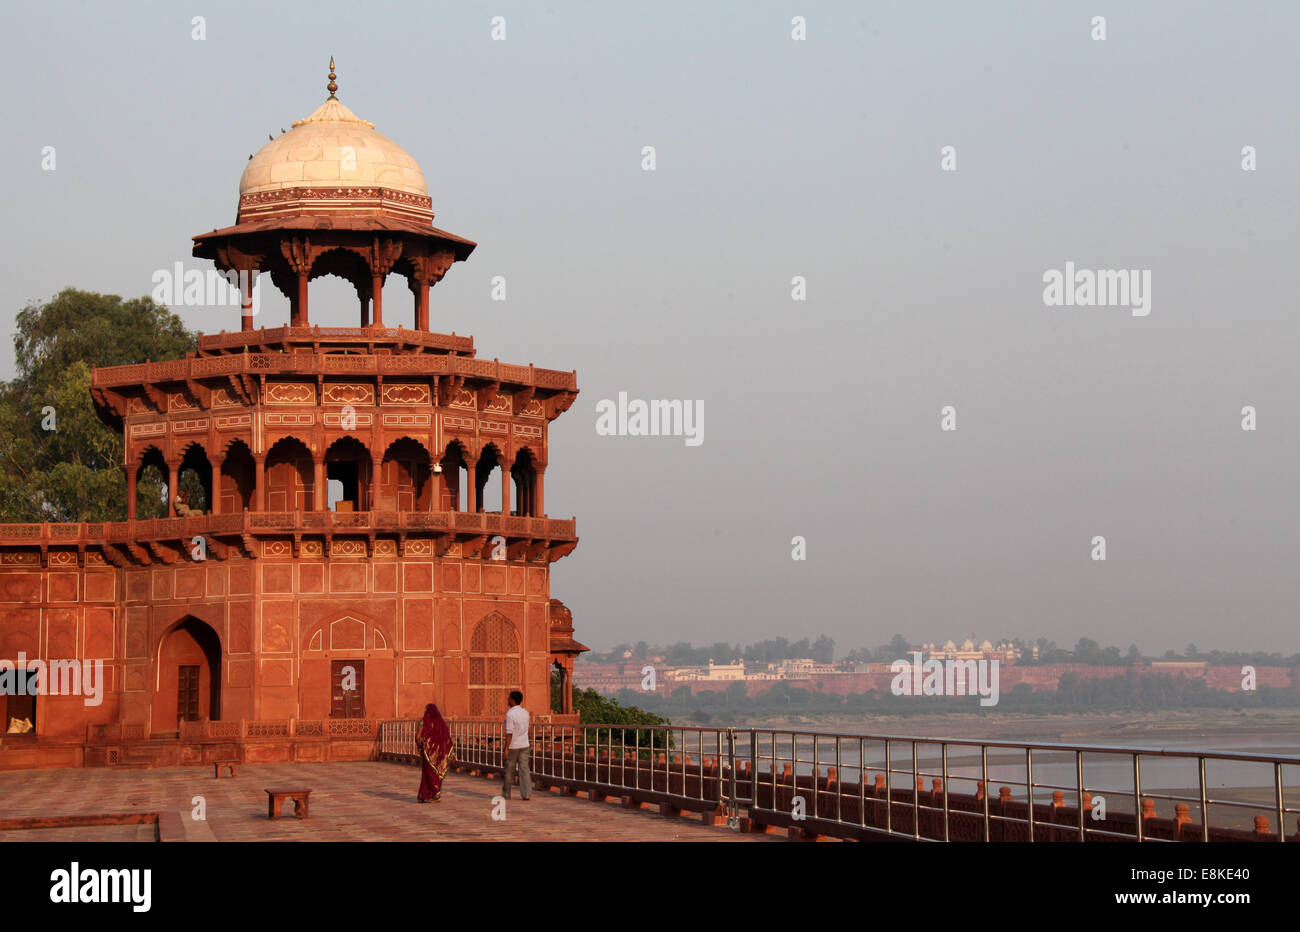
(864,786)
(1046,791)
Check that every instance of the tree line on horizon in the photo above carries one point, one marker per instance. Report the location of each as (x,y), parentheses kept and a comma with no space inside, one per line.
(1086,651)
(687,655)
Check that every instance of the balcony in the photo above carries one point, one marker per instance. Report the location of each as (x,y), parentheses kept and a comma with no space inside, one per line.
(427,364)
(535,539)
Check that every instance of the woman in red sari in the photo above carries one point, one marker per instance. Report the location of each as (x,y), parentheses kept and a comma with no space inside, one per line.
(436,755)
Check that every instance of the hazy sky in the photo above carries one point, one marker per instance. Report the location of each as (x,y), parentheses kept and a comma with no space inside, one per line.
(779,158)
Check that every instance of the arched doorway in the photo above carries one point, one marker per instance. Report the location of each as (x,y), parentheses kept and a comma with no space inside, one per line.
(238,479)
(194,480)
(494,665)
(187,676)
(524,472)
(152,475)
(404,477)
(289,469)
(487,486)
(348,475)
(454,462)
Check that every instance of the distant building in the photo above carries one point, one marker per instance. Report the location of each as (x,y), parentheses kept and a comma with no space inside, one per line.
(711,671)
(798,668)
(1005,651)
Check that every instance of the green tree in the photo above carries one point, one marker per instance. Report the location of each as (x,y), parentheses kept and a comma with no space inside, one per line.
(1087,651)
(58,461)
(823,649)
(596,709)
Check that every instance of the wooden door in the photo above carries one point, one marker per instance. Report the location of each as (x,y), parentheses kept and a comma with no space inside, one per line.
(187,692)
(347,703)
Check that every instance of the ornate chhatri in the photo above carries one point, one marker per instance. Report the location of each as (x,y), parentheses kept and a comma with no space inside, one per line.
(334,197)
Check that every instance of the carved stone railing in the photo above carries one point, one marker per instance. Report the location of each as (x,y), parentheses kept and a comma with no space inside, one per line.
(385,335)
(197,367)
(241,729)
(263,522)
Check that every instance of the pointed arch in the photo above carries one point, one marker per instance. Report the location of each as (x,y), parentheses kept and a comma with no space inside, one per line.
(150,480)
(453,495)
(187,674)
(237,479)
(406,472)
(194,480)
(490,459)
(495,664)
(289,475)
(349,471)
(524,474)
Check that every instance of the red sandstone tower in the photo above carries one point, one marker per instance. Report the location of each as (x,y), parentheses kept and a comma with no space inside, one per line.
(343,538)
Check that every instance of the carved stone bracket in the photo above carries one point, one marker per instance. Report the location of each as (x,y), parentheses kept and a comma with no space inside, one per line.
(449,387)
(384,253)
(487,394)
(522,398)
(299,253)
(558,404)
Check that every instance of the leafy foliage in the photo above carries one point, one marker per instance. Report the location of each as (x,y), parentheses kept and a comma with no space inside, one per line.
(73,472)
(595,709)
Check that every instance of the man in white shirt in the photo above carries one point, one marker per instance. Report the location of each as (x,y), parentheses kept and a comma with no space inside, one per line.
(517,719)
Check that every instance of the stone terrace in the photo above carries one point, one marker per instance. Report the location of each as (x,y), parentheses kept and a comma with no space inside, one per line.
(351,801)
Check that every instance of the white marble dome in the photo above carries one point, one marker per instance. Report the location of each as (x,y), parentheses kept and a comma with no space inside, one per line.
(332,148)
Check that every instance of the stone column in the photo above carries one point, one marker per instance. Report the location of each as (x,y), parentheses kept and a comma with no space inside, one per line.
(259,483)
(377,298)
(173,483)
(299,254)
(539,501)
(471,490)
(298,310)
(247,277)
(319,500)
(383,254)
(505,487)
(422,304)
(214,498)
(131,475)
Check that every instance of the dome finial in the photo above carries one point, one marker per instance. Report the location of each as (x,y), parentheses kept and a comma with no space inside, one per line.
(332,87)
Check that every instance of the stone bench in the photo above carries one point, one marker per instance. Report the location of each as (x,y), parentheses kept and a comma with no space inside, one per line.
(275,800)
(233,765)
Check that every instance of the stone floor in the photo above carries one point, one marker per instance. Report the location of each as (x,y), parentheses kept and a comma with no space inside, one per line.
(358,801)
(85,833)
